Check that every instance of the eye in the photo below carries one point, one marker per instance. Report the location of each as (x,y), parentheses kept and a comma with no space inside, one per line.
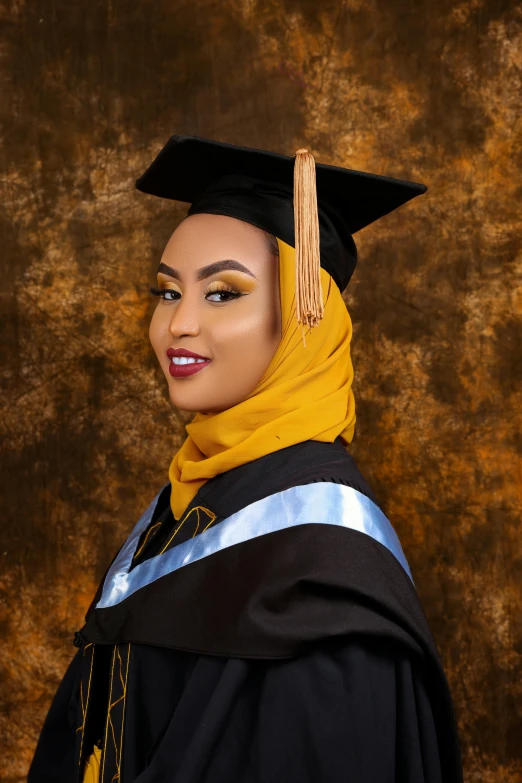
(165,293)
(225,293)
(222,296)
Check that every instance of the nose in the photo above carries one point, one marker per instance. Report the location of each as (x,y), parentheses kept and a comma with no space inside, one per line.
(184,319)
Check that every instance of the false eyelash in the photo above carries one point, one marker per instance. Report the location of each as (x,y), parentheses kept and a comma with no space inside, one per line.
(158,291)
(234,293)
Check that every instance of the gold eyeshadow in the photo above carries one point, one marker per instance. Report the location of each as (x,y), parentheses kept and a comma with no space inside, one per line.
(219,285)
(230,277)
(168,286)
(238,280)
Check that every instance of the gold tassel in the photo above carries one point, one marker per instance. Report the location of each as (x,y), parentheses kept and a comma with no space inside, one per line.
(309,298)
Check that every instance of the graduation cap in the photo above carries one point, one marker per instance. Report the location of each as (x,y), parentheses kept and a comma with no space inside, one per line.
(312,206)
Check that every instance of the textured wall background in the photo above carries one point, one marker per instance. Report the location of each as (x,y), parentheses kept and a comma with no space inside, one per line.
(428,91)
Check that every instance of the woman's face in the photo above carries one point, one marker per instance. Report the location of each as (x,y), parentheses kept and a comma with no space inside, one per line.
(219,299)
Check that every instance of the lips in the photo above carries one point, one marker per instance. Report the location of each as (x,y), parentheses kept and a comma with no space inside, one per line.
(184,362)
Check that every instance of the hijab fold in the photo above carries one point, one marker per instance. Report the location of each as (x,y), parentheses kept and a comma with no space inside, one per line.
(304,394)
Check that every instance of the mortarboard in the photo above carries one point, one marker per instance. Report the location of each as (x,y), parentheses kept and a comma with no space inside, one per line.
(312,206)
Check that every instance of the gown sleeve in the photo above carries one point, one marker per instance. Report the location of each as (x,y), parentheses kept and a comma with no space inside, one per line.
(54,756)
(347,711)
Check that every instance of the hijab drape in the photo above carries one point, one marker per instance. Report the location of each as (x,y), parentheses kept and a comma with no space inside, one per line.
(305,394)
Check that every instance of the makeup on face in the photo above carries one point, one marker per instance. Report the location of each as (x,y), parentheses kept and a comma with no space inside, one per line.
(188,365)
(219,286)
(207,271)
(235,280)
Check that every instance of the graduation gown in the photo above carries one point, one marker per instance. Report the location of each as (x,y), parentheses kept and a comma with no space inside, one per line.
(272,634)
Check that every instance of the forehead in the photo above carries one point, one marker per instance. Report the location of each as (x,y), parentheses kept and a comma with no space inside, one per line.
(204,238)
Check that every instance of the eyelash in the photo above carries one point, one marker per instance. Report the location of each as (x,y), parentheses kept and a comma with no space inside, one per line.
(234,293)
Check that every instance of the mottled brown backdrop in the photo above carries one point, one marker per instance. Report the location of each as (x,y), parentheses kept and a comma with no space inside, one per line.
(427,90)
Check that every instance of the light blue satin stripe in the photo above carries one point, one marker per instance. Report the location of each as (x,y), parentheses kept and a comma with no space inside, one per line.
(115,580)
(323,503)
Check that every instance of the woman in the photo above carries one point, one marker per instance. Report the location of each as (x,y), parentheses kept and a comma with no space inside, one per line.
(260,624)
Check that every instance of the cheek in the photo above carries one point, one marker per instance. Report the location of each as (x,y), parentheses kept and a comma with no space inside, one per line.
(250,334)
(158,327)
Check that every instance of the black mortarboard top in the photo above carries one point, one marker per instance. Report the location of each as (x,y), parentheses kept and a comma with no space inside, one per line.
(277,193)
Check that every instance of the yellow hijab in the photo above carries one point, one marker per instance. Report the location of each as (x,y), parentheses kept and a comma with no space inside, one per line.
(305,394)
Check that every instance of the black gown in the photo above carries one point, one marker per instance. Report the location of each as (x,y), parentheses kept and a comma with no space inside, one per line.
(294,654)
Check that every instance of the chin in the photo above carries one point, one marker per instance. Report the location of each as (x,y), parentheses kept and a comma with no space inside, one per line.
(190,403)
(184,403)
(187,401)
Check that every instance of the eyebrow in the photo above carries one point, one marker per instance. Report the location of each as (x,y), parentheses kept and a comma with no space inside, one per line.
(207,271)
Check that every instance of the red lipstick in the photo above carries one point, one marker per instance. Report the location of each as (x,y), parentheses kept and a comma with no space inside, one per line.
(188,368)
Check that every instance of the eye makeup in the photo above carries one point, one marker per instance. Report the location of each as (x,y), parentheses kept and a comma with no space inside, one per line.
(219,287)
(239,281)
(166,290)
(231,284)
(216,288)
(164,293)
